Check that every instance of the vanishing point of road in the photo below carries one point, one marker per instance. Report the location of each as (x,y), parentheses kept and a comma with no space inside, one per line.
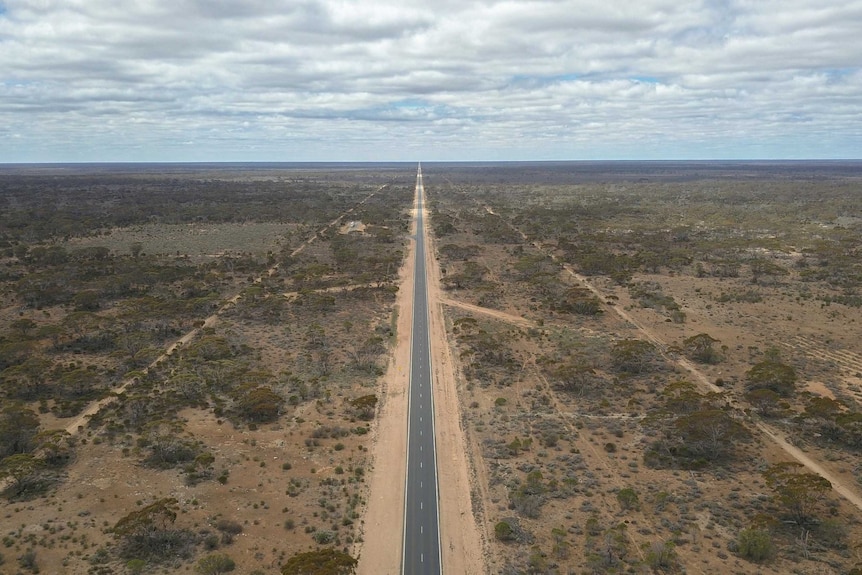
(421,547)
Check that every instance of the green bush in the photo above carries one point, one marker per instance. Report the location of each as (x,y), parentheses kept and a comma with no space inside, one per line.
(628,498)
(755,545)
(215,564)
(503,531)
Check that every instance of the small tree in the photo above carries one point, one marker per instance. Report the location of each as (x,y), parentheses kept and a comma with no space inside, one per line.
(772,375)
(18,426)
(609,550)
(260,404)
(26,380)
(576,376)
(709,433)
(23,326)
(633,356)
(55,447)
(149,532)
(767,402)
(798,492)
(700,348)
(661,556)
(21,471)
(761,267)
(364,406)
(682,397)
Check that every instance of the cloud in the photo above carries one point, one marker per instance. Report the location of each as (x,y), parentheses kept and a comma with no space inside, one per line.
(347,79)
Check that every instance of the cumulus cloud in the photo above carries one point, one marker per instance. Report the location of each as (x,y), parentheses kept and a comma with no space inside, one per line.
(91,80)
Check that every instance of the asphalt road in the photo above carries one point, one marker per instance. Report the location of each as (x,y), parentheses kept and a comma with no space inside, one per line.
(421,550)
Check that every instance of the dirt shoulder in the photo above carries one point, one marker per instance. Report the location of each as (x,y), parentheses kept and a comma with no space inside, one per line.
(461,537)
(379,548)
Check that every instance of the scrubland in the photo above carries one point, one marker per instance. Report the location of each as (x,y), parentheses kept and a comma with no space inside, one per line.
(657,365)
(649,355)
(189,364)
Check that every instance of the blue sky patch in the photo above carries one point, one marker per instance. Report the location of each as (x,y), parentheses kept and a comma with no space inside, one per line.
(645,79)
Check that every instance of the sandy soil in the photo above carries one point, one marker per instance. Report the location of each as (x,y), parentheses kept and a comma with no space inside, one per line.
(497,314)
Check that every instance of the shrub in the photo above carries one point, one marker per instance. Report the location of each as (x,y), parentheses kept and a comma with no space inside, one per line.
(504,532)
(324,537)
(628,498)
(28,561)
(634,356)
(509,529)
(661,556)
(167,451)
(327,561)
(833,533)
(215,564)
(755,545)
(211,542)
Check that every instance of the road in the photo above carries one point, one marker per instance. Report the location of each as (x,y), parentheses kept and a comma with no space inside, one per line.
(421,547)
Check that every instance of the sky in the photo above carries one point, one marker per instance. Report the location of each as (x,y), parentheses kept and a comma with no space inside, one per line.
(429,80)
